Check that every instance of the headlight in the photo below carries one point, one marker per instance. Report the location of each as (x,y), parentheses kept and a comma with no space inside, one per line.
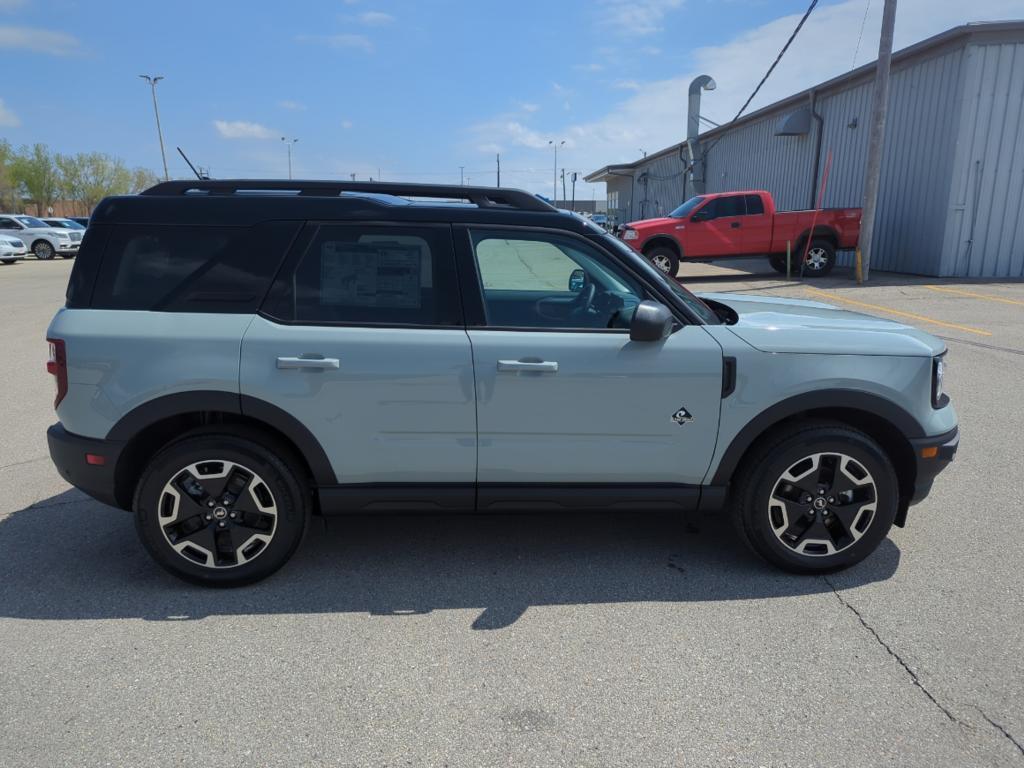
(62,236)
(630,234)
(939,398)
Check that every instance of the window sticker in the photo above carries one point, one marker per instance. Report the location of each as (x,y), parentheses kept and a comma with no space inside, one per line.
(370,276)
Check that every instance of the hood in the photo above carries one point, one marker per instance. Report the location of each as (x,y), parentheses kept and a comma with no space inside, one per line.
(644,223)
(793,325)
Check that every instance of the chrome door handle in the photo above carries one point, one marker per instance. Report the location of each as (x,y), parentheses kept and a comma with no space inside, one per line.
(316,363)
(540,366)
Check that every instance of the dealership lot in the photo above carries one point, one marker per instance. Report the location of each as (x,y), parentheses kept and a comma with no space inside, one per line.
(604,639)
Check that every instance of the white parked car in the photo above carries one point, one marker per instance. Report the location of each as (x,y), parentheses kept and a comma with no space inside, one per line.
(43,240)
(11,249)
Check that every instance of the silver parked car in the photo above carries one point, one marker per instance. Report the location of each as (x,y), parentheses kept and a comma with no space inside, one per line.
(43,240)
(11,249)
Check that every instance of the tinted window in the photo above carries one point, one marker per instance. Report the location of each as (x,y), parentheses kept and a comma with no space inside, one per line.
(371,275)
(725,206)
(188,268)
(31,221)
(548,281)
(755,206)
(8,224)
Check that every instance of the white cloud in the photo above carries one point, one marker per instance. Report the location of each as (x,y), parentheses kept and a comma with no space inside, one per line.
(240,129)
(634,18)
(375,18)
(7,117)
(627,85)
(38,41)
(346,124)
(527,106)
(294,106)
(592,67)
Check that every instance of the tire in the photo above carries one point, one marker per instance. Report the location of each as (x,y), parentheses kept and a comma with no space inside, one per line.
(43,250)
(778,263)
(8,261)
(200,539)
(664,258)
(67,255)
(821,258)
(857,507)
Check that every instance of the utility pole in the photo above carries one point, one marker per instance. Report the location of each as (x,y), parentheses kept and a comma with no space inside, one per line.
(574,175)
(554,173)
(563,185)
(876,145)
(289,142)
(153,80)
(353,176)
(462,175)
(498,157)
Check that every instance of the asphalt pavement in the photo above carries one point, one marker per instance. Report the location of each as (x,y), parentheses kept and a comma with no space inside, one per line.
(569,640)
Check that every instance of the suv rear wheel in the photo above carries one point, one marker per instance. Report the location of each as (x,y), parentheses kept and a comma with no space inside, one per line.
(816,497)
(220,510)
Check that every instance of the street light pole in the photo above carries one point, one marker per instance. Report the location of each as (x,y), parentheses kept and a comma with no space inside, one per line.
(153,80)
(554,178)
(289,142)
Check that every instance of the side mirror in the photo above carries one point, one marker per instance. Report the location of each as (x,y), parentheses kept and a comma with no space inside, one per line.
(577,279)
(652,321)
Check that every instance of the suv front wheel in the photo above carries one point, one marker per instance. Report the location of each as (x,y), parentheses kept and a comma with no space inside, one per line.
(816,497)
(220,510)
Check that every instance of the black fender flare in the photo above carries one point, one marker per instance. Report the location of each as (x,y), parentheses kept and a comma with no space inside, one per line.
(183,403)
(819,230)
(837,399)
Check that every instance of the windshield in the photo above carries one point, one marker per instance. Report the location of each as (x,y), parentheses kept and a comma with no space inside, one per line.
(686,208)
(698,307)
(64,224)
(31,221)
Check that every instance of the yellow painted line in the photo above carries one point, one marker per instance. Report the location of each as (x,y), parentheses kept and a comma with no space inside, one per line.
(910,315)
(973,295)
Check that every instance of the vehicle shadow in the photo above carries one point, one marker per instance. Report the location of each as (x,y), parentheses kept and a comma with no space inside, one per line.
(72,558)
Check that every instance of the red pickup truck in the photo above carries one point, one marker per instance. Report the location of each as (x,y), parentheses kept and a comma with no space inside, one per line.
(744,223)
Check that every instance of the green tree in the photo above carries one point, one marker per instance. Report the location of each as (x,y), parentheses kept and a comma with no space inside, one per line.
(8,189)
(35,173)
(143,178)
(70,184)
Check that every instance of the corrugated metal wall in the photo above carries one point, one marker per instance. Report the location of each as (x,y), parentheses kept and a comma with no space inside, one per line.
(984,235)
(951,198)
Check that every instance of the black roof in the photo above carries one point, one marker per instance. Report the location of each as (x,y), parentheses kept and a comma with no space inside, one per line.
(243,202)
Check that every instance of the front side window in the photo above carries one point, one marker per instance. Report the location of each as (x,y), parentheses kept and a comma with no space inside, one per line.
(371,275)
(31,222)
(551,281)
(686,208)
(721,207)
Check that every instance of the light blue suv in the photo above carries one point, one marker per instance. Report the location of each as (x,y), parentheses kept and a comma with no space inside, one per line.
(236,356)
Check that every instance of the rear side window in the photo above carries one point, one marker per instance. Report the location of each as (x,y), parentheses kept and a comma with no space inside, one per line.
(190,268)
(755,206)
(371,275)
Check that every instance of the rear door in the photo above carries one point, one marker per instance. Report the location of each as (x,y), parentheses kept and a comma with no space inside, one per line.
(362,340)
(756,227)
(563,395)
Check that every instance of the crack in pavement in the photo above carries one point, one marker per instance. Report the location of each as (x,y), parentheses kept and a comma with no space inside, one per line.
(26,461)
(1002,730)
(906,667)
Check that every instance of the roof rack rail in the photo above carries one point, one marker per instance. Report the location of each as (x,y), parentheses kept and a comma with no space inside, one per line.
(484,197)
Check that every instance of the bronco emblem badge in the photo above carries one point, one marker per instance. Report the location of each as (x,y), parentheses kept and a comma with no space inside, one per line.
(681,416)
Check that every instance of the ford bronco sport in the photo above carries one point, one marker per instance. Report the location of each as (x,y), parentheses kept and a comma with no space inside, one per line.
(237,356)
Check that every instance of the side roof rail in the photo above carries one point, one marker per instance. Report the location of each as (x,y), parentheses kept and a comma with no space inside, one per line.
(484,197)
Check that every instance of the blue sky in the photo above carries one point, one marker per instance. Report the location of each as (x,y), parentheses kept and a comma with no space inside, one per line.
(413,90)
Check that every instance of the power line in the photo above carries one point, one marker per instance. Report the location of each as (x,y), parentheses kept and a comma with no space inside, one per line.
(860,37)
(767,74)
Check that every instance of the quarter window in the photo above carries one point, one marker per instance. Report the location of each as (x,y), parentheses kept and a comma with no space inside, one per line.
(365,275)
(549,281)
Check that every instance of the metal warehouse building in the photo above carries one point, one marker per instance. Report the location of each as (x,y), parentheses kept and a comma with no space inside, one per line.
(951,200)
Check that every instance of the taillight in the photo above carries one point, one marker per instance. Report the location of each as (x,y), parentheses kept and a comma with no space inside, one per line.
(57,366)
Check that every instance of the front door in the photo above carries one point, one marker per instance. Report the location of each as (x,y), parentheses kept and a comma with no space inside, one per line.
(363,342)
(563,394)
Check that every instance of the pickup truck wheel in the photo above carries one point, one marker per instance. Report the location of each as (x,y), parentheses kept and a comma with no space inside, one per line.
(778,263)
(816,497)
(821,257)
(43,250)
(219,510)
(665,259)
